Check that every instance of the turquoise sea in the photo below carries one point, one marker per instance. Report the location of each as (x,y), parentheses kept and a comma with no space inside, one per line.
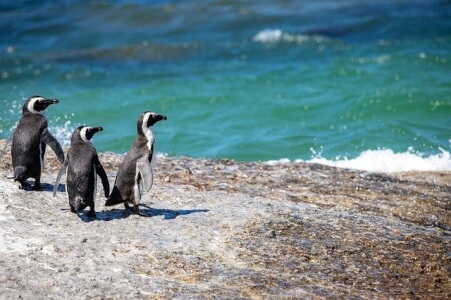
(353,83)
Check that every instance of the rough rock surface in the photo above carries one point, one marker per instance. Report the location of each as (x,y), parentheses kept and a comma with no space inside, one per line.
(222,229)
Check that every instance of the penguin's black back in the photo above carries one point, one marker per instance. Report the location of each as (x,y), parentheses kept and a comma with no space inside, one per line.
(81,177)
(26,142)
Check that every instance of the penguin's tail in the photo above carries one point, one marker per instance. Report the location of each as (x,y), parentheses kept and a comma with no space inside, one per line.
(115,198)
(20,173)
(75,204)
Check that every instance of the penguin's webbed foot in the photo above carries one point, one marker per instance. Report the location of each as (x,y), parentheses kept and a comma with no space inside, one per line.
(37,187)
(127,210)
(137,211)
(92,214)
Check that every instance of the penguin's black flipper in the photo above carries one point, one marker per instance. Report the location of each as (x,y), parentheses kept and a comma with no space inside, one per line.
(60,173)
(50,140)
(101,172)
(114,198)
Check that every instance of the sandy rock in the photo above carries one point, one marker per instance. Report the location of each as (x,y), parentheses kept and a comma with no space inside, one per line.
(222,229)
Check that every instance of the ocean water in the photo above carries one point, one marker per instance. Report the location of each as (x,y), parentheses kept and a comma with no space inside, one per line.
(353,83)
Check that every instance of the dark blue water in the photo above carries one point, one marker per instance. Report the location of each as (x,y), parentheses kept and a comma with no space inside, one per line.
(249,80)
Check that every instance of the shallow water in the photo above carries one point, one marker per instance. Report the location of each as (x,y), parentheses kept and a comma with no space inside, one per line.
(239,79)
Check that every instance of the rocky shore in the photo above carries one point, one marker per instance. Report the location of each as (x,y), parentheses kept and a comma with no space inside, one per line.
(228,230)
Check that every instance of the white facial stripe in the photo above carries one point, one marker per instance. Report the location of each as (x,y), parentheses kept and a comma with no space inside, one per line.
(145,120)
(146,130)
(83,134)
(31,105)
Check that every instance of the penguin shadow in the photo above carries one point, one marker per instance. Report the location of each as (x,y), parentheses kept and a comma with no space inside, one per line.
(61,187)
(146,211)
(169,214)
(45,187)
(107,215)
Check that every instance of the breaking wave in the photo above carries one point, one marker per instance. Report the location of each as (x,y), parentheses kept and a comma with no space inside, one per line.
(386,160)
(277,35)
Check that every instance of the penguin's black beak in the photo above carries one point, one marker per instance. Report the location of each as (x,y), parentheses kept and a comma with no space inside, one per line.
(42,104)
(49,101)
(160,117)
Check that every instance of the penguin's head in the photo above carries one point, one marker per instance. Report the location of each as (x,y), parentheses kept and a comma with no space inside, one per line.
(148,119)
(85,133)
(37,104)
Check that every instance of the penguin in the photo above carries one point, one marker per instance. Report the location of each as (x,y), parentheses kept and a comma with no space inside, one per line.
(29,142)
(135,174)
(82,165)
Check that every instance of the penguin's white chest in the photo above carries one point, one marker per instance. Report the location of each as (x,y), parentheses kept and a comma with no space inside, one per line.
(150,138)
(143,171)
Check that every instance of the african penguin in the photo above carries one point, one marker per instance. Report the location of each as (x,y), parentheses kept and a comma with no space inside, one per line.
(29,142)
(82,166)
(135,174)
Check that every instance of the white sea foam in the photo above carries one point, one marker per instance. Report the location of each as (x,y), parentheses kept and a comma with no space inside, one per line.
(387,161)
(277,35)
(268,35)
(62,133)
